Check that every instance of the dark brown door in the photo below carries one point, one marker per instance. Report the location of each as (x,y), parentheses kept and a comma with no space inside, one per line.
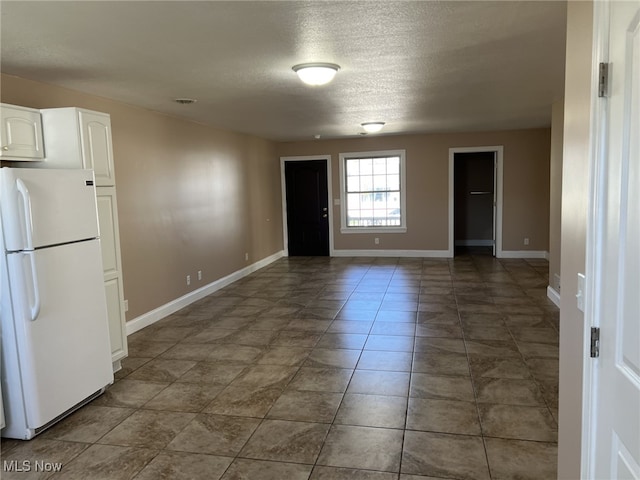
(307,207)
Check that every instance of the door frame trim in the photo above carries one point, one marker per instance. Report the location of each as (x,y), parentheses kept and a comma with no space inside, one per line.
(283,188)
(499,154)
(597,193)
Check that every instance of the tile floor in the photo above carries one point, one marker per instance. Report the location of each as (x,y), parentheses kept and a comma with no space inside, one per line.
(317,368)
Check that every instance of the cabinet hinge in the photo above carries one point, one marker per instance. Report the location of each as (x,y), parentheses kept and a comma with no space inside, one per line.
(603,79)
(595,342)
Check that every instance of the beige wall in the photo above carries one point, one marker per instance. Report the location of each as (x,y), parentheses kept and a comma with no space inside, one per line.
(555,191)
(198,198)
(526,186)
(190,197)
(575,193)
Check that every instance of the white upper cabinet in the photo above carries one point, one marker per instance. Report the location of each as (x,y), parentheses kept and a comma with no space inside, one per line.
(21,133)
(95,135)
(79,138)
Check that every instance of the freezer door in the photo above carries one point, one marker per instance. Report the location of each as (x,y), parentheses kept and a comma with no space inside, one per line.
(63,347)
(47,207)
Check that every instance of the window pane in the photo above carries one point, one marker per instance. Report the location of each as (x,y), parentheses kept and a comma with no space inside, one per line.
(353,184)
(366,183)
(353,201)
(380,182)
(393,165)
(353,167)
(366,200)
(379,166)
(366,166)
(393,182)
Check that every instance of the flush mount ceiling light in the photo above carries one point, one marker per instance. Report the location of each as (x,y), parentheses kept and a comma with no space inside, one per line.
(316,73)
(372,127)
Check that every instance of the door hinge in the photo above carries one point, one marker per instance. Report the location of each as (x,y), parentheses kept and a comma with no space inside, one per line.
(595,342)
(603,79)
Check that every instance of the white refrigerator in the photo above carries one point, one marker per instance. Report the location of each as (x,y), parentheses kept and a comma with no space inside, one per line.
(56,354)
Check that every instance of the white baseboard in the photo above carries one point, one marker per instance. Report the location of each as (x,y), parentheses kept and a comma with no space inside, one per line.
(434,253)
(553,295)
(392,253)
(167,309)
(524,254)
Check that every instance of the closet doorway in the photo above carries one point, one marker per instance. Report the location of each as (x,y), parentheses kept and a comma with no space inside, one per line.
(475,200)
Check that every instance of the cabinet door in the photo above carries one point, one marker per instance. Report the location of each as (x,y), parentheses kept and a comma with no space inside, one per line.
(117,332)
(95,132)
(110,244)
(20,134)
(107,222)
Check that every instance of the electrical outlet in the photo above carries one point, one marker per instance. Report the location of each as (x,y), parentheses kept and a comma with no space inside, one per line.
(556,282)
(246,257)
(526,241)
(188,280)
(199,274)
(126,305)
(376,241)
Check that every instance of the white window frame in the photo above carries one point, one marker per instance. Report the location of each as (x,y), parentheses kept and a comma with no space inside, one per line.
(402,228)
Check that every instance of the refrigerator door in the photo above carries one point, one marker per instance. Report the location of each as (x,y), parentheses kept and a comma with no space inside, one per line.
(47,207)
(64,350)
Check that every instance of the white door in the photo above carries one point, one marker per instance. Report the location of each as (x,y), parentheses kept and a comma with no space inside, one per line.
(614,443)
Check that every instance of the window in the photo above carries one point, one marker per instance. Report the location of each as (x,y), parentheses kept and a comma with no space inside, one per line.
(373,191)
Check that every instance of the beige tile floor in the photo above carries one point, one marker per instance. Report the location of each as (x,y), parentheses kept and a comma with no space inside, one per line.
(317,368)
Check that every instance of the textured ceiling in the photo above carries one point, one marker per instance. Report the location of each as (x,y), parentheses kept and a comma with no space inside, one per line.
(420,66)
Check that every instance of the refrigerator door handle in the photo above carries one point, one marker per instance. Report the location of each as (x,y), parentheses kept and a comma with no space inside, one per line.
(35,307)
(28,219)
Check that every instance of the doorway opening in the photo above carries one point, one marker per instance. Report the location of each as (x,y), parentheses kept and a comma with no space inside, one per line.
(475,201)
(306,190)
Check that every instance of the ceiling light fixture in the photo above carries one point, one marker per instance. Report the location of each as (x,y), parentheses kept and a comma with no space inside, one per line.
(372,127)
(316,73)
